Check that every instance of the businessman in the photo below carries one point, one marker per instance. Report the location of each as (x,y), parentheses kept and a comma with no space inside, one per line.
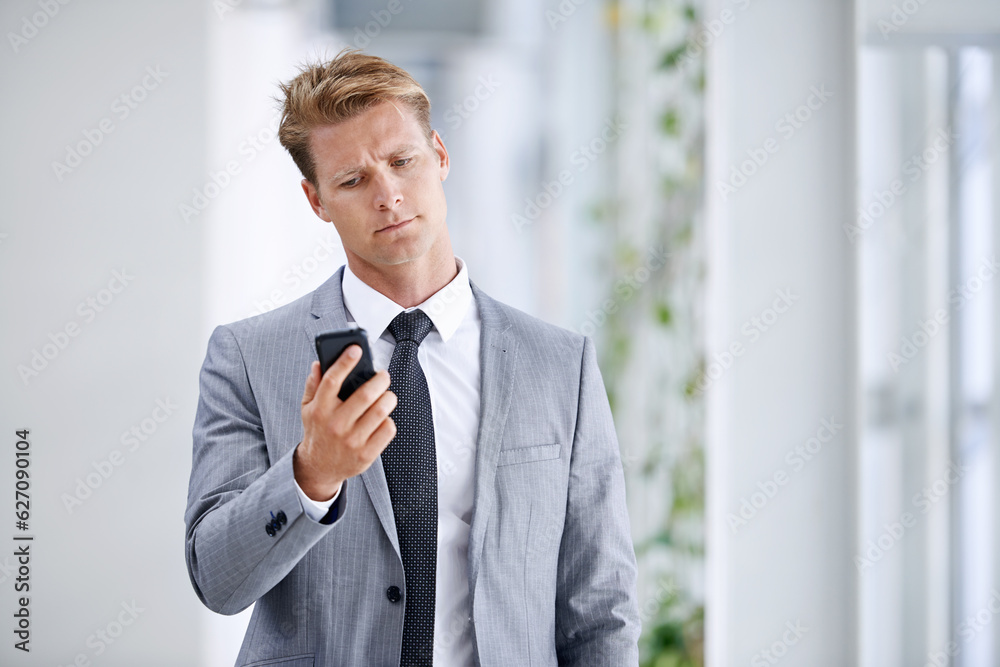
(466,505)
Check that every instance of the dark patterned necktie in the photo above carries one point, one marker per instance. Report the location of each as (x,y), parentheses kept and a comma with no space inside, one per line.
(410,464)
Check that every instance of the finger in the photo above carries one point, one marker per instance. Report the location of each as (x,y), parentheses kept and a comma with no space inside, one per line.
(375,415)
(363,398)
(381,438)
(337,373)
(312,383)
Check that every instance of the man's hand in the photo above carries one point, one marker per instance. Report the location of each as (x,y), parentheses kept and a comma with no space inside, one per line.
(342,438)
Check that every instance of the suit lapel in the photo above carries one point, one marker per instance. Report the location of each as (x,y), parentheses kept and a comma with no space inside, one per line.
(498,352)
(329,314)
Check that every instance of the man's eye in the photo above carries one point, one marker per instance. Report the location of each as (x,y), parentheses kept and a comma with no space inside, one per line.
(401,162)
(350,183)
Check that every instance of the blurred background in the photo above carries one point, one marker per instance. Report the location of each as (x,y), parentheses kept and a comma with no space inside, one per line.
(777,219)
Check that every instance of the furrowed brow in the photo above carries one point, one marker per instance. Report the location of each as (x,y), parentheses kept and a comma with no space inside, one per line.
(344,173)
(350,171)
(400,150)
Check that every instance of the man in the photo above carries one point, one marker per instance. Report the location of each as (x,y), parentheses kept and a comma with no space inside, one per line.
(466,504)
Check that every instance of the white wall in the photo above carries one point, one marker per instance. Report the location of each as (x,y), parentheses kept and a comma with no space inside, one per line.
(791,563)
(116,211)
(885,20)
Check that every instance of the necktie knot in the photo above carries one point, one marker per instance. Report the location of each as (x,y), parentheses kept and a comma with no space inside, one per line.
(411,325)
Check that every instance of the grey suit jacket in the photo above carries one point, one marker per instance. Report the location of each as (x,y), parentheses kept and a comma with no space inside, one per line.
(551,566)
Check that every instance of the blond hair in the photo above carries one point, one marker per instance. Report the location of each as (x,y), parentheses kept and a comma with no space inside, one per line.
(326,93)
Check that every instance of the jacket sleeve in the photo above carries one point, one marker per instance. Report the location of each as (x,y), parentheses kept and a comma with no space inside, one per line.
(236,491)
(597,616)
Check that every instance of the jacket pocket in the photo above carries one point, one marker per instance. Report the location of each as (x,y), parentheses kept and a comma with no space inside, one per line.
(528,454)
(306,660)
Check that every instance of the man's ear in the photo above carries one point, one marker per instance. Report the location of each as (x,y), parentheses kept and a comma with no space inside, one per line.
(438,144)
(312,194)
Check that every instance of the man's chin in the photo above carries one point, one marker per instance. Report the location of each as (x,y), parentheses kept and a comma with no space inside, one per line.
(394,257)
(398,251)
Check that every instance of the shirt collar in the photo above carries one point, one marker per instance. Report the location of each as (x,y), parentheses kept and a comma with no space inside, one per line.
(373,311)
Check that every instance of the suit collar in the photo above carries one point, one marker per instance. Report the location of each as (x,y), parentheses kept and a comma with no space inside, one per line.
(328,299)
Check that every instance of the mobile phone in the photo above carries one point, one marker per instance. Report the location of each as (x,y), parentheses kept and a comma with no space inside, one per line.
(330,345)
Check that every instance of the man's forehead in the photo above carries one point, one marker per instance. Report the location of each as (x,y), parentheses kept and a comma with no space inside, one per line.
(370,129)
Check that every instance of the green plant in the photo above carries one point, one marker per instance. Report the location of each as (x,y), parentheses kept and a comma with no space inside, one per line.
(651,346)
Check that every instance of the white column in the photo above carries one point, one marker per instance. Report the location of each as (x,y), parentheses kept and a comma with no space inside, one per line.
(781,335)
(99,275)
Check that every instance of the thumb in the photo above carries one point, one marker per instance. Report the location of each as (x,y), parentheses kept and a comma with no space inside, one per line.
(312,382)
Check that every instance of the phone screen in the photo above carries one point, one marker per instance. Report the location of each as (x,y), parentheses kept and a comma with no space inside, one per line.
(330,345)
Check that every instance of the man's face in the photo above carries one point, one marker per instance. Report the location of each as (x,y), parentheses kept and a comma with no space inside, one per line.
(379,183)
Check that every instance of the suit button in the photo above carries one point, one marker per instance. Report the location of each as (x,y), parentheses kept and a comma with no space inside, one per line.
(393,594)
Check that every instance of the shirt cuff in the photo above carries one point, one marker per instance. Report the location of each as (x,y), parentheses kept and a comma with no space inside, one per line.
(316,509)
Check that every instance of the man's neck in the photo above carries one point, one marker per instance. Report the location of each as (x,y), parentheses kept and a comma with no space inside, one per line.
(408,284)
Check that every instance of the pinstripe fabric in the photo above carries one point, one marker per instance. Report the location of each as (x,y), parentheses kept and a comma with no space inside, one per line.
(551,565)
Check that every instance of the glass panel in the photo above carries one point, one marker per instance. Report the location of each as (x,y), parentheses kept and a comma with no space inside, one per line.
(924,232)
(972,352)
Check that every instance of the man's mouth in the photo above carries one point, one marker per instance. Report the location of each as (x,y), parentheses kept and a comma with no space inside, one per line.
(398,225)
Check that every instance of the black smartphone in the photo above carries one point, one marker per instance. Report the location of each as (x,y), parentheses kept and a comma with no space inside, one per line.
(330,345)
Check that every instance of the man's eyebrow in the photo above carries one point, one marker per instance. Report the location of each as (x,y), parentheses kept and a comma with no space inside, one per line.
(399,150)
(343,173)
(408,148)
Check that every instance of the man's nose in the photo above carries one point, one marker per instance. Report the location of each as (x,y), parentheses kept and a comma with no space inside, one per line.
(387,192)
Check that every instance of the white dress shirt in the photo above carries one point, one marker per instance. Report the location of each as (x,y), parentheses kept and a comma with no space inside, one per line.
(449,357)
